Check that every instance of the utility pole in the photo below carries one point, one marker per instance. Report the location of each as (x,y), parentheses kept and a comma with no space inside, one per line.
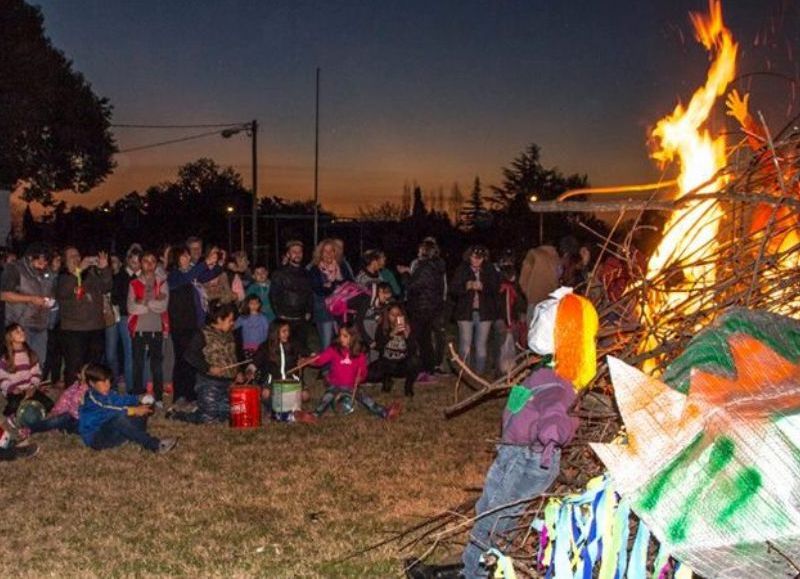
(316,166)
(254,137)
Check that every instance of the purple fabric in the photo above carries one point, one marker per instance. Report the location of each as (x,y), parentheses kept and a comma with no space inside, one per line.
(543,421)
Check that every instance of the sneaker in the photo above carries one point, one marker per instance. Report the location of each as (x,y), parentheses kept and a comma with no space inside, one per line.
(305,417)
(26,451)
(166,444)
(393,411)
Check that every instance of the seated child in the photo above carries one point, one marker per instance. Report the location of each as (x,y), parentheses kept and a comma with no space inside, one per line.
(348,369)
(20,374)
(254,325)
(271,362)
(212,352)
(395,359)
(107,419)
(65,413)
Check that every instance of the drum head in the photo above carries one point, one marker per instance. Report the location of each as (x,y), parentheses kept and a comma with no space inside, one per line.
(343,404)
(30,412)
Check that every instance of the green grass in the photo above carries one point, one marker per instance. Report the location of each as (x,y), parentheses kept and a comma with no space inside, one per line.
(288,500)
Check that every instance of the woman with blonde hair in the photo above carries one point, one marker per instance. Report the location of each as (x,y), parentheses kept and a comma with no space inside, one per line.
(328,270)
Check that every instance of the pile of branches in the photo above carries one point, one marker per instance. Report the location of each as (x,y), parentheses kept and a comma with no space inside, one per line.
(754,266)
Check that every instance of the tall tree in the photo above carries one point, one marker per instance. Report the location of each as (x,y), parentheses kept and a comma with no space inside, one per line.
(474,212)
(54,130)
(526,177)
(418,208)
(455,202)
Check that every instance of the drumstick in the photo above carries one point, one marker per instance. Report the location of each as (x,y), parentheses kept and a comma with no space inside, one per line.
(237,364)
(301,366)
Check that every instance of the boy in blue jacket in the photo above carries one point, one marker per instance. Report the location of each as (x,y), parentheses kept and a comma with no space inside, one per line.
(107,419)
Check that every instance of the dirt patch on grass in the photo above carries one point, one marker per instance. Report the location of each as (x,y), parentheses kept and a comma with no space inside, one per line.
(284,501)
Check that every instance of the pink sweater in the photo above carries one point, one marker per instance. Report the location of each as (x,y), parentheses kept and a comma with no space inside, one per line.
(343,368)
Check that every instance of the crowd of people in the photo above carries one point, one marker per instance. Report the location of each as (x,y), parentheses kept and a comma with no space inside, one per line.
(193,320)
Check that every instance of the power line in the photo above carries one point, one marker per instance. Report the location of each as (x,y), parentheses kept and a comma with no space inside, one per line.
(170,142)
(200,126)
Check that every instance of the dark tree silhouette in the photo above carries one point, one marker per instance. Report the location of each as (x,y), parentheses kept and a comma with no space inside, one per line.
(55,130)
(474,214)
(526,176)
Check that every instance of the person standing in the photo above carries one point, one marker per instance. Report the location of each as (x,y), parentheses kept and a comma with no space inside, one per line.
(119,299)
(291,295)
(148,322)
(328,270)
(186,314)
(425,287)
(27,288)
(476,288)
(79,293)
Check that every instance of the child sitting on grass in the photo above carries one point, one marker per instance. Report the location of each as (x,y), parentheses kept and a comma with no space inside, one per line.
(395,355)
(107,419)
(348,369)
(65,413)
(20,374)
(212,352)
(271,363)
(254,325)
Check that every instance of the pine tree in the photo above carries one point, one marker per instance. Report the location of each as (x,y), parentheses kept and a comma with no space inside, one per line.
(455,203)
(474,211)
(418,208)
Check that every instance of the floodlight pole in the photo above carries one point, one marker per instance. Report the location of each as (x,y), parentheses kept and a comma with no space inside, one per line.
(316,164)
(254,137)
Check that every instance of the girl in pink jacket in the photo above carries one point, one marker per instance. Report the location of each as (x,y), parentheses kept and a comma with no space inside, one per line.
(347,369)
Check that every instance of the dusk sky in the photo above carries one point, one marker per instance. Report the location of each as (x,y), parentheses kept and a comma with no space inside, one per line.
(433,92)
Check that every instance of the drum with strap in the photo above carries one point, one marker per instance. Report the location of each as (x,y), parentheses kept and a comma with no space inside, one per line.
(245,401)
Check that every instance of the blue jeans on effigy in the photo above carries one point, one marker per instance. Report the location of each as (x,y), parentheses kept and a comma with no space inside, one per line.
(473,338)
(121,429)
(515,475)
(329,399)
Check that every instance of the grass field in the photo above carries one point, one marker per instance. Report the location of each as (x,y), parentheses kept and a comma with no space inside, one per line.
(283,501)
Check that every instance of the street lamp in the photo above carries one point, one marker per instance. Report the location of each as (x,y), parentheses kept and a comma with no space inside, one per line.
(251,129)
(229,210)
(534,199)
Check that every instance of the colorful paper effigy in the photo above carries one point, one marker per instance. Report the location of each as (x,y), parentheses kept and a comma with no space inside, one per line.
(712,458)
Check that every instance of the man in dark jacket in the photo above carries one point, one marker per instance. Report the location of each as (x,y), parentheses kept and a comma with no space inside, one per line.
(426,287)
(291,296)
(80,292)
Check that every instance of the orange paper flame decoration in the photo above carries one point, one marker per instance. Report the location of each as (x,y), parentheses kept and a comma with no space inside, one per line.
(575,354)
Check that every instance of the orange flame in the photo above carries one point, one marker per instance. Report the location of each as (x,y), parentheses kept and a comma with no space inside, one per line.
(692,231)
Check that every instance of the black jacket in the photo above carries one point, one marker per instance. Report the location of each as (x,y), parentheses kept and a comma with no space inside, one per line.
(290,293)
(425,287)
(488,297)
(119,290)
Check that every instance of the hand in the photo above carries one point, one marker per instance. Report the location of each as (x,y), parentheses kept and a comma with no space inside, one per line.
(403,269)
(737,106)
(307,317)
(239,379)
(87,262)
(37,301)
(216,371)
(102,259)
(142,410)
(477,286)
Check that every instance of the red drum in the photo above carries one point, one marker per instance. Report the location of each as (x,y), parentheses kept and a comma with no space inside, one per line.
(245,402)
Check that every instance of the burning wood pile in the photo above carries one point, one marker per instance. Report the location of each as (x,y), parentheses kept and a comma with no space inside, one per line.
(732,238)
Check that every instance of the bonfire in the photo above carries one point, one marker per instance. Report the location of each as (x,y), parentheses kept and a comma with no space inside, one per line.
(732,239)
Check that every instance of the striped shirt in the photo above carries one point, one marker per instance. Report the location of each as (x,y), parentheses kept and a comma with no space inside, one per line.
(24,377)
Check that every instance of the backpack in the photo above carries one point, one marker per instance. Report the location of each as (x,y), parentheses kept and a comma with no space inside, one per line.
(336,303)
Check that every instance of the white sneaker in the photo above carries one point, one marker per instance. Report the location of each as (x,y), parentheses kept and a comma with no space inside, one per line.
(166,444)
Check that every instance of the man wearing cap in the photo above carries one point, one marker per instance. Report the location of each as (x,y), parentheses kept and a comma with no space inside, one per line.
(27,288)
